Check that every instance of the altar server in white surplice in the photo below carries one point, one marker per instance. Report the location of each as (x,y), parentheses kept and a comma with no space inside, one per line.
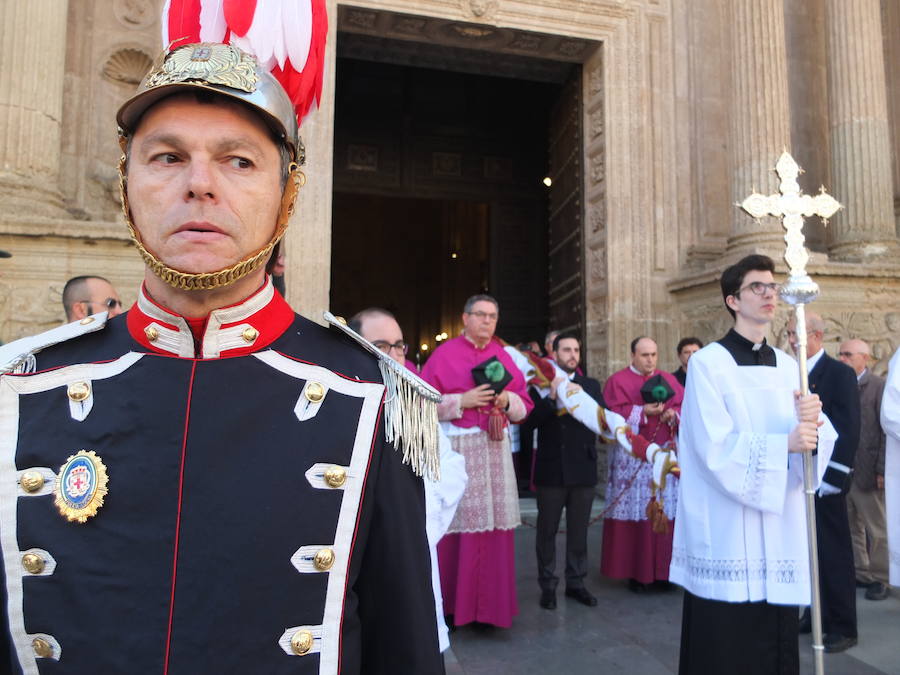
(890,422)
(740,547)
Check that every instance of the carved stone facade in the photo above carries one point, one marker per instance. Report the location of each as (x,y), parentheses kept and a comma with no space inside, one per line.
(683,117)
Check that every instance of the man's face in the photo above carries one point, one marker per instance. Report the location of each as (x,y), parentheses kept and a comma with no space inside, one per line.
(98,296)
(645,356)
(204,184)
(384,332)
(753,308)
(481,322)
(567,354)
(855,353)
(814,339)
(686,353)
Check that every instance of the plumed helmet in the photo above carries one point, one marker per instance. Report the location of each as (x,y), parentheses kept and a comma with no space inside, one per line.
(223,69)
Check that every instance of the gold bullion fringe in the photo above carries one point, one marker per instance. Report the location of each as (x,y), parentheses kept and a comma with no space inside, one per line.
(410,421)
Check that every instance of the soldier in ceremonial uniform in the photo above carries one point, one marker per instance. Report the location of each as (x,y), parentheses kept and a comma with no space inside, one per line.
(211,483)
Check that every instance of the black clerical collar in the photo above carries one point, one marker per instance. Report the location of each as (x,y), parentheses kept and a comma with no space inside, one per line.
(747,353)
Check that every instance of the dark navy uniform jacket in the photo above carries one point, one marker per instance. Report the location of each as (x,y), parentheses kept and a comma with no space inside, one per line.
(247,528)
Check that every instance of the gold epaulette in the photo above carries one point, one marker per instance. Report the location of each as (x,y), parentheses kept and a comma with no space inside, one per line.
(410,408)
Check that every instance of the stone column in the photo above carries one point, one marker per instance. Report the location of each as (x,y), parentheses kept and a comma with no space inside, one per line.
(890,26)
(760,118)
(32,68)
(860,135)
(307,244)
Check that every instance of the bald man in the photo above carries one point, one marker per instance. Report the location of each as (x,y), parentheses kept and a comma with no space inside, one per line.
(631,549)
(86,295)
(865,501)
(836,385)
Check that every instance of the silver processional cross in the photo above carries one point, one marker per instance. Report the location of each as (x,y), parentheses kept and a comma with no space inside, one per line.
(793,207)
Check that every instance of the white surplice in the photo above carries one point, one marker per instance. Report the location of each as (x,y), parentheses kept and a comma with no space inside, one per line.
(740,527)
(441,499)
(890,422)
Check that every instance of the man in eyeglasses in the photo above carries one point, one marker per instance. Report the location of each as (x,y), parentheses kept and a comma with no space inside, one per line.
(865,501)
(740,547)
(380,327)
(477,556)
(86,295)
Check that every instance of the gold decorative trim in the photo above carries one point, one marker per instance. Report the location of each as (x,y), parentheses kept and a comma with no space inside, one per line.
(207,62)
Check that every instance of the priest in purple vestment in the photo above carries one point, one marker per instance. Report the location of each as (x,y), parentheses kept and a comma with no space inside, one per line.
(631,549)
(477,556)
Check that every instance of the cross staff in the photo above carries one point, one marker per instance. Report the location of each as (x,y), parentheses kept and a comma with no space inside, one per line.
(793,207)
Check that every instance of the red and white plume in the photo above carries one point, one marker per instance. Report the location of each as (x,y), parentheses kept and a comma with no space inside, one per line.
(286,36)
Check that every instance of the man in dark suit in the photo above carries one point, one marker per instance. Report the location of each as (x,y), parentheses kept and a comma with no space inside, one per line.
(835,383)
(565,475)
(686,348)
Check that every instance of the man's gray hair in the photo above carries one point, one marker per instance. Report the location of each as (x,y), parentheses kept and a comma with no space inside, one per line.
(815,323)
(480,297)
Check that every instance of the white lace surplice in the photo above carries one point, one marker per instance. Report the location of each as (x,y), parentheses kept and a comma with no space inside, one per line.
(740,526)
(491,500)
(631,502)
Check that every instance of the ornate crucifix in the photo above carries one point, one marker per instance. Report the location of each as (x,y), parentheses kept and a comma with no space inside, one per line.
(793,207)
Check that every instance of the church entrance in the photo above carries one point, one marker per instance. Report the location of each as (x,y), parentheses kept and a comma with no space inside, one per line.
(442,159)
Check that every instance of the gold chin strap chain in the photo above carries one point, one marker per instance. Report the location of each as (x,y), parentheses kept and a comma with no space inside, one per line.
(202,281)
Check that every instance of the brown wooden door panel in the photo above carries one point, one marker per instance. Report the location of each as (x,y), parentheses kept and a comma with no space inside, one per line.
(566,218)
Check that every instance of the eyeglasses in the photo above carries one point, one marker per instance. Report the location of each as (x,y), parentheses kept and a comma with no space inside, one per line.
(484,315)
(759,288)
(386,346)
(847,355)
(109,303)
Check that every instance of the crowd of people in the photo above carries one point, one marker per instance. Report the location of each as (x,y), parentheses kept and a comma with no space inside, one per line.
(490,388)
(729,529)
(210,468)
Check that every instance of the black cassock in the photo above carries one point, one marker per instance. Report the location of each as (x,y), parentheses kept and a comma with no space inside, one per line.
(248,527)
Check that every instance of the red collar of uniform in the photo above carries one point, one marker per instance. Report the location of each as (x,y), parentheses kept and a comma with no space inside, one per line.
(236,330)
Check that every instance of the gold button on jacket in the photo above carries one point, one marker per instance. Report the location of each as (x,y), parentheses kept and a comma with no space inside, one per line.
(315,392)
(79,391)
(42,648)
(336,476)
(33,563)
(324,559)
(31,481)
(301,642)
